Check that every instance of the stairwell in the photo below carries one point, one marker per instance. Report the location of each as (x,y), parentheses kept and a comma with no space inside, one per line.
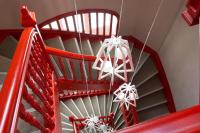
(153,101)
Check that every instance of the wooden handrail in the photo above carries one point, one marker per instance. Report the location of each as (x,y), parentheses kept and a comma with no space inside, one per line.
(186,121)
(11,92)
(66,54)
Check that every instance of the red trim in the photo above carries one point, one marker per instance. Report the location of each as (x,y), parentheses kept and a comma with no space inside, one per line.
(192,12)
(56,105)
(186,121)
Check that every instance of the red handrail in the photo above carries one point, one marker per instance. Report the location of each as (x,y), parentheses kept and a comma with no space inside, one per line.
(24,68)
(186,121)
(11,92)
(66,54)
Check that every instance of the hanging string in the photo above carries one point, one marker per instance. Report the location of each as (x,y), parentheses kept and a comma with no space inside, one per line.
(150,29)
(80,41)
(120,15)
(119,26)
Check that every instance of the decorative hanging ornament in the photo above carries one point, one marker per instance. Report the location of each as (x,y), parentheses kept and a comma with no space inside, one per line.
(104,128)
(114,59)
(92,123)
(126,94)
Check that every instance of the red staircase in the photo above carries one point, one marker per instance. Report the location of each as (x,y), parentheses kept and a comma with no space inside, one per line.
(32,70)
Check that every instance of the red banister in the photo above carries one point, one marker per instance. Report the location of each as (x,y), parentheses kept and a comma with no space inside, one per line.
(11,92)
(186,121)
(66,54)
(30,68)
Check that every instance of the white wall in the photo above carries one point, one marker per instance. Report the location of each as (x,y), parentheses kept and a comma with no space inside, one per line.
(180,58)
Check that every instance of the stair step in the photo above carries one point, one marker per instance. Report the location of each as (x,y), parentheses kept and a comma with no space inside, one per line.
(150,99)
(153,111)
(8,47)
(147,71)
(96,46)
(67,130)
(86,47)
(72,45)
(95,104)
(66,110)
(80,104)
(88,104)
(2,78)
(67,125)
(4,63)
(109,103)
(101,103)
(55,42)
(150,85)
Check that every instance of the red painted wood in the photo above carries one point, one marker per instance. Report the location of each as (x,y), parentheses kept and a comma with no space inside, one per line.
(62,53)
(85,11)
(27,17)
(49,123)
(38,93)
(30,50)
(192,12)
(12,88)
(186,121)
(78,123)
(28,117)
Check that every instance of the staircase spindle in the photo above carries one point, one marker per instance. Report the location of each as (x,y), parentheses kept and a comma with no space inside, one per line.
(30,99)
(40,84)
(31,84)
(28,117)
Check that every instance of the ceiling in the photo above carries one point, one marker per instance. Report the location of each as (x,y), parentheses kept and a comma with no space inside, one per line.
(136,19)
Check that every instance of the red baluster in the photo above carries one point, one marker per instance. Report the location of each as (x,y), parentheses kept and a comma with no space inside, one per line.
(31,84)
(40,83)
(26,116)
(40,73)
(30,99)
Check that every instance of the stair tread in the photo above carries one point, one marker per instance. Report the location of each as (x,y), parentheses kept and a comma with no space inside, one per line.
(55,42)
(8,47)
(153,112)
(86,47)
(4,63)
(72,45)
(96,46)
(151,99)
(146,71)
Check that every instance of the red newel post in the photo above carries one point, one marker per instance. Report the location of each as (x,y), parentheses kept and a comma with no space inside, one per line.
(27,17)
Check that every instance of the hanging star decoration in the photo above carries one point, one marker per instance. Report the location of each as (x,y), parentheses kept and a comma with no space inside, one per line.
(114,59)
(126,94)
(92,123)
(105,128)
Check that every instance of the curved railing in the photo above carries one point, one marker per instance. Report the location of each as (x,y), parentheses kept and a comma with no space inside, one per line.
(97,22)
